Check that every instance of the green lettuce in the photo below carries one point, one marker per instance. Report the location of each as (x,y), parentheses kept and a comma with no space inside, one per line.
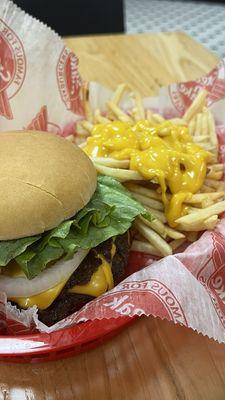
(110,212)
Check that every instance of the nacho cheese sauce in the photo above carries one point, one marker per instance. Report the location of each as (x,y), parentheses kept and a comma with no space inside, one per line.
(164,153)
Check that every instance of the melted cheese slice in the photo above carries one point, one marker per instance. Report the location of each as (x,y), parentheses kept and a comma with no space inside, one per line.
(42,300)
(101,281)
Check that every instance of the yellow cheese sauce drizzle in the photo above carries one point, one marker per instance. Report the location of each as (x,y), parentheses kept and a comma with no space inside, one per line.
(163,152)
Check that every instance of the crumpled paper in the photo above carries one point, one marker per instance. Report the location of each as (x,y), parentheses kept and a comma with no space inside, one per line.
(40,89)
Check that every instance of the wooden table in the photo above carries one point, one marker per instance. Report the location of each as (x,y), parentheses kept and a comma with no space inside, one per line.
(152,359)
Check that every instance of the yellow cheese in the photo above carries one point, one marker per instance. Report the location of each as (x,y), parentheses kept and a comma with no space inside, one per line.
(100,282)
(42,300)
(107,270)
(113,250)
(161,152)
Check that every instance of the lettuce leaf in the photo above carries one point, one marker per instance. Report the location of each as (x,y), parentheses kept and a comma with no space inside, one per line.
(10,249)
(110,212)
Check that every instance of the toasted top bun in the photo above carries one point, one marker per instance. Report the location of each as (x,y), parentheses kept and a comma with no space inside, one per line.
(44,179)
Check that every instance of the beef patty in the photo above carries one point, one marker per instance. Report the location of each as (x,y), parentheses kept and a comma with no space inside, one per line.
(67,303)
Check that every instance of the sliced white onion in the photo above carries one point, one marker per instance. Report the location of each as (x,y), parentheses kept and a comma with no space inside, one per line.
(50,277)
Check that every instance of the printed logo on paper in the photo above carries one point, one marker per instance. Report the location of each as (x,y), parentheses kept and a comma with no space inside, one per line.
(3,325)
(212,275)
(183,94)
(41,123)
(12,68)
(136,298)
(69,81)
(220,130)
(216,281)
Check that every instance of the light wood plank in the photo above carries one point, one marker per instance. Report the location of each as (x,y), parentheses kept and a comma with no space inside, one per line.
(146,61)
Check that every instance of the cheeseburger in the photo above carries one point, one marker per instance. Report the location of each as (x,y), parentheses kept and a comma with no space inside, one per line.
(64,232)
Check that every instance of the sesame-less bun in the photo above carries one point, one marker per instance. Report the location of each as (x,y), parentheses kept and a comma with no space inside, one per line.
(44,179)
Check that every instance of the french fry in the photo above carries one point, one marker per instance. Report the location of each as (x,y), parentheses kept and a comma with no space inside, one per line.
(215,184)
(179,121)
(204,128)
(199,226)
(207,202)
(138,236)
(198,124)
(157,118)
(211,222)
(173,234)
(156,225)
(200,197)
(221,186)
(122,175)
(99,118)
(87,125)
(191,126)
(111,162)
(200,139)
(206,189)
(153,237)
(190,220)
(119,92)
(208,146)
(202,208)
(215,175)
(70,138)
(197,105)
(214,158)
(138,112)
(192,236)
(82,145)
(215,171)
(145,247)
(149,116)
(217,167)
(195,227)
(212,131)
(80,130)
(177,243)
(191,210)
(155,204)
(122,116)
(157,214)
(143,190)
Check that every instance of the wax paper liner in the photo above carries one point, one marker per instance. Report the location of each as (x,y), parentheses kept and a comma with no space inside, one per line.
(39,79)
(40,89)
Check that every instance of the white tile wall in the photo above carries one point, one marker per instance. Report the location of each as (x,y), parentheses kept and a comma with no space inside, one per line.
(204,21)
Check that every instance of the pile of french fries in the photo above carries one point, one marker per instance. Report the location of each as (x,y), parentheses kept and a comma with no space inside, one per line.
(203,208)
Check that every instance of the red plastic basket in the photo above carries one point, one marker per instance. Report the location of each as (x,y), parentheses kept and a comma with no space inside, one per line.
(39,347)
(64,343)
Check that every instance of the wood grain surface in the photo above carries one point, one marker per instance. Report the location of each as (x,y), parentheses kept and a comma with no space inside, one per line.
(152,359)
(147,61)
